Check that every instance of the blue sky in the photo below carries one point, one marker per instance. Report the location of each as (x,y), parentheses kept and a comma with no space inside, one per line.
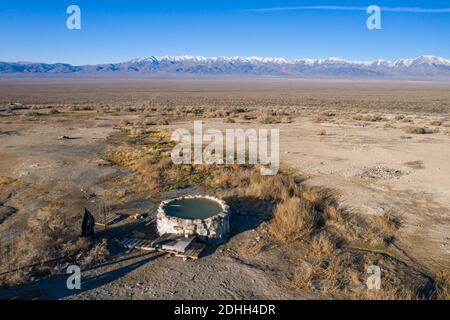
(114,31)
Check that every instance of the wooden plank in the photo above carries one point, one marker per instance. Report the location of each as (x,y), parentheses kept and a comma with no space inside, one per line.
(147,243)
(111,221)
(138,243)
(167,237)
(129,243)
(177,245)
(125,241)
(193,252)
(149,221)
(133,242)
(141,244)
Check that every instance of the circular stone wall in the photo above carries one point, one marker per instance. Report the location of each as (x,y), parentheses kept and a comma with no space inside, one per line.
(190,215)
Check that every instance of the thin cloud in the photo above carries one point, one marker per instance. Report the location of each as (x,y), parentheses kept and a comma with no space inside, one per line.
(345,8)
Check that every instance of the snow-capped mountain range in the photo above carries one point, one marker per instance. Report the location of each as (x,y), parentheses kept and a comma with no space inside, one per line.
(425,66)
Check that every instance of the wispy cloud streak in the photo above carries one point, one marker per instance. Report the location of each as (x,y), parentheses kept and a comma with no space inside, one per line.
(345,8)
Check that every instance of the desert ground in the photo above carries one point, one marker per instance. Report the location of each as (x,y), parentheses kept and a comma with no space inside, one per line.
(370,158)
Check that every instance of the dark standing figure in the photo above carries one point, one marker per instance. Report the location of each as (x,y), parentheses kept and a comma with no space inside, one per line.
(87,226)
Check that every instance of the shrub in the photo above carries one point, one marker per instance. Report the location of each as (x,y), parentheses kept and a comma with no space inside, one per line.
(436,123)
(229,120)
(162,121)
(52,111)
(417,130)
(442,286)
(388,223)
(323,244)
(293,218)
(31,114)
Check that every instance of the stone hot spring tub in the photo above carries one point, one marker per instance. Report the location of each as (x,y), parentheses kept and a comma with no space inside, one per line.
(204,216)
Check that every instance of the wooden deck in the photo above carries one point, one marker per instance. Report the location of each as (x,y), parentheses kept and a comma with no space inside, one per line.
(133,243)
(177,245)
(110,221)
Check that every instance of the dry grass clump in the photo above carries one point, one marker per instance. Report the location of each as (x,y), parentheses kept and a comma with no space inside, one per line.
(97,252)
(268,119)
(129,109)
(343,275)
(265,118)
(323,244)
(311,217)
(48,237)
(31,114)
(124,155)
(273,188)
(320,197)
(320,118)
(333,213)
(147,156)
(304,277)
(324,116)
(293,219)
(140,129)
(52,111)
(388,223)
(248,116)
(161,121)
(5,181)
(148,122)
(160,134)
(388,291)
(183,112)
(252,248)
(217,113)
(369,117)
(417,130)
(286,119)
(229,120)
(81,108)
(436,123)
(336,275)
(407,120)
(442,286)
(136,132)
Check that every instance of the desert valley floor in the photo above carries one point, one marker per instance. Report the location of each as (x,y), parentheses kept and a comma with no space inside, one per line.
(381,148)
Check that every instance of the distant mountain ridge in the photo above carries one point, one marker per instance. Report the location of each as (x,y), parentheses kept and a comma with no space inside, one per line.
(425,66)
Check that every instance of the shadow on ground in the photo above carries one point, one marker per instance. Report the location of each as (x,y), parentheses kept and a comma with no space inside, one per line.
(247,213)
(55,288)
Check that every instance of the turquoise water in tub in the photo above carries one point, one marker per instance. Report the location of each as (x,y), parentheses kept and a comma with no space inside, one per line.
(196,208)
